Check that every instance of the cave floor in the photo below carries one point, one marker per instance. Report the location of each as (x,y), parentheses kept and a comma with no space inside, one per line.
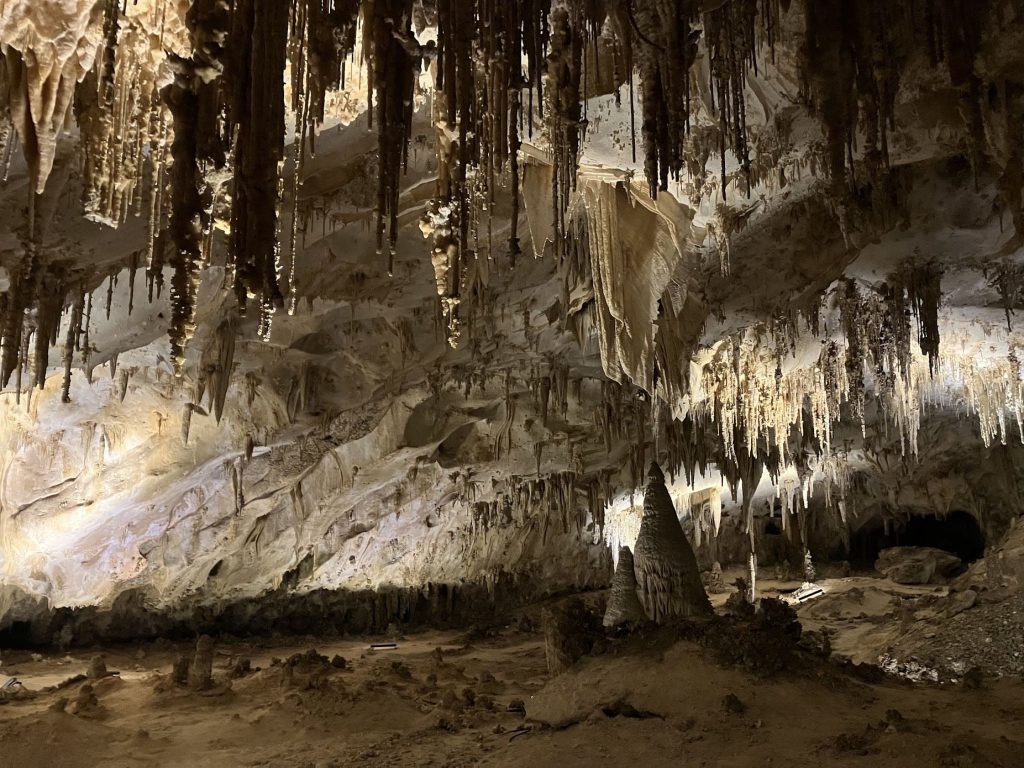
(658,703)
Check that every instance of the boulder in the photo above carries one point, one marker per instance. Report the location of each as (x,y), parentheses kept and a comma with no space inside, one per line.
(97,668)
(917,565)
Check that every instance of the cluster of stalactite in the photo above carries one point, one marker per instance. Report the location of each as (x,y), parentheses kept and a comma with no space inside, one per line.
(622,417)
(729,35)
(564,112)
(479,119)
(479,109)
(256,119)
(497,66)
(194,102)
(747,415)
(123,121)
(663,40)
(322,37)
(569,500)
(32,321)
(853,56)
(666,48)
(392,69)
(226,108)
(41,75)
(1008,280)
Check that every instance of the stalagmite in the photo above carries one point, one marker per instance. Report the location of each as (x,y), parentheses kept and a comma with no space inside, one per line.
(716,582)
(666,568)
(623,604)
(200,670)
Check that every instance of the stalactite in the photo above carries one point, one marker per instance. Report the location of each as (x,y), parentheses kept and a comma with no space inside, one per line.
(49,305)
(193,100)
(216,366)
(666,47)
(122,384)
(924,293)
(74,329)
(255,69)
(86,348)
(564,114)
(392,77)
(186,421)
(729,37)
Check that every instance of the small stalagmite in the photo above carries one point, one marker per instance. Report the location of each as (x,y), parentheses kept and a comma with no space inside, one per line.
(666,568)
(623,604)
(200,673)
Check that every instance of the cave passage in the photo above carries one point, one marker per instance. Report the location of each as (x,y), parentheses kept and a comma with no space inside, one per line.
(957,532)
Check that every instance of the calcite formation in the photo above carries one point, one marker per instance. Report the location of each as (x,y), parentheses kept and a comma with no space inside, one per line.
(624,605)
(200,671)
(666,568)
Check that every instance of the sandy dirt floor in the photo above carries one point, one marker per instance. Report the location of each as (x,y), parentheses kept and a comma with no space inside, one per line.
(458,699)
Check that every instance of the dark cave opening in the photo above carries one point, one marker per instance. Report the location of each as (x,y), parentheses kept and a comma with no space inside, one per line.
(17,635)
(957,532)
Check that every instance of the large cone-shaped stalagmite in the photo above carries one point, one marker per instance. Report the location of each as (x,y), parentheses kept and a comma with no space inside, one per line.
(623,604)
(666,567)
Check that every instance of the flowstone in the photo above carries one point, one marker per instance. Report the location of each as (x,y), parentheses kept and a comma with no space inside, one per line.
(666,568)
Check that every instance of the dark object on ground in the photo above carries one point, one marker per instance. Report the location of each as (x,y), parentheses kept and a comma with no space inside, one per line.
(570,631)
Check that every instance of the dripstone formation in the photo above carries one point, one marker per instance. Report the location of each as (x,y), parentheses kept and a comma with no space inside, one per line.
(623,604)
(666,568)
